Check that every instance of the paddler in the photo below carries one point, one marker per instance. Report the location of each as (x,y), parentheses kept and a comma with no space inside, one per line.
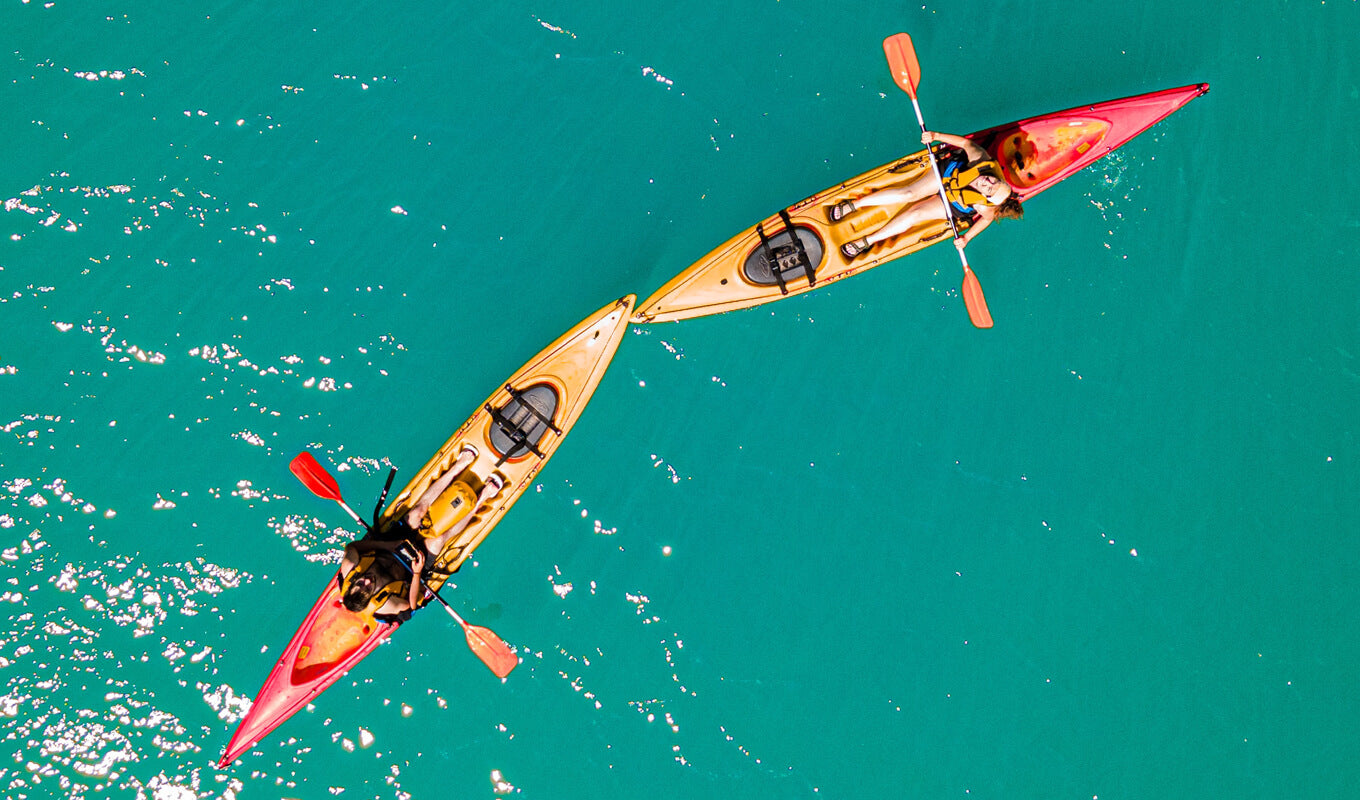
(972,182)
(370,569)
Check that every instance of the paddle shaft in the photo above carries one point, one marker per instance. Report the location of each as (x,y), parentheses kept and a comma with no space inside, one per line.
(432,593)
(906,69)
(351,512)
(944,198)
(429,592)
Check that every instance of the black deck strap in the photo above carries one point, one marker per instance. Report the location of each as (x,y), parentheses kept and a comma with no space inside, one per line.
(518,438)
(808,267)
(771,260)
(517,394)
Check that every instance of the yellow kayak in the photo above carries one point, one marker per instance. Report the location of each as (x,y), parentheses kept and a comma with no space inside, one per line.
(520,425)
(764,262)
(514,432)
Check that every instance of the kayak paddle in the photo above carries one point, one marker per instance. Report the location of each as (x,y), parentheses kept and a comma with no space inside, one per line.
(485,644)
(494,653)
(906,72)
(315,477)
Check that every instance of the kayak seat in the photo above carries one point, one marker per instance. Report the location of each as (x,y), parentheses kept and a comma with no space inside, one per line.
(521,422)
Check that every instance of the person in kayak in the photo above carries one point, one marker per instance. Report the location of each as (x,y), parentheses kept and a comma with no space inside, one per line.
(372,575)
(370,570)
(972,182)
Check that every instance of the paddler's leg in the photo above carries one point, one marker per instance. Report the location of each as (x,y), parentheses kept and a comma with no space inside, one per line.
(922,187)
(490,489)
(908,218)
(417,513)
(903,221)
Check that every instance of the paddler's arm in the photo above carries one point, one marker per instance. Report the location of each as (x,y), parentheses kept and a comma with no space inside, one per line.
(985,216)
(974,152)
(417,566)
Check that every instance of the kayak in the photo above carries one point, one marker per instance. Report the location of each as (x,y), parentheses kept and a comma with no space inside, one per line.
(765,262)
(514,432)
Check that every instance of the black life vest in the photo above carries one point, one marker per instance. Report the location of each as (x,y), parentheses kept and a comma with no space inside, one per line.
(394,586)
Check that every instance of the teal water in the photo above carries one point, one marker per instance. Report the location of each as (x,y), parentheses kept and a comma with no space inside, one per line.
(1104,550)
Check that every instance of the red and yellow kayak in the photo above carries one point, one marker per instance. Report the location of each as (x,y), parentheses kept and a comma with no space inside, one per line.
(1034,154)
(515,432)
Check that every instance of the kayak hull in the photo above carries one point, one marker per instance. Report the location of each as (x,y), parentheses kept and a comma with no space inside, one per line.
(332,639)
(1035,154)
(570,369)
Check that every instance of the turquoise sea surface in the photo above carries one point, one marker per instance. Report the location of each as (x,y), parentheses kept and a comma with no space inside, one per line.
(843,545)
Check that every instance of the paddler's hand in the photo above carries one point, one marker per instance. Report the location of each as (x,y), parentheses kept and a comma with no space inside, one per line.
(927,137)
(418,563)
(960,243)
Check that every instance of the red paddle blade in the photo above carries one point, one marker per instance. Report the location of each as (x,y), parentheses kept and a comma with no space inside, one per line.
(906,70)
(315,477)
(494,653)
(974,301)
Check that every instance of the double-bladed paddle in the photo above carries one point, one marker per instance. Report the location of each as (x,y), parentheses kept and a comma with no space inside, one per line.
(485,644)
(906,72)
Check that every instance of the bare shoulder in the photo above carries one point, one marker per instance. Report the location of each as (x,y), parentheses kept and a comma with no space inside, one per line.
(973,150)
(394,605)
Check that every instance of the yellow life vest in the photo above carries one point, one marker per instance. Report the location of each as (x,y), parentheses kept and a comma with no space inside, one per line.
(397,586)
(958,189)
(450,508)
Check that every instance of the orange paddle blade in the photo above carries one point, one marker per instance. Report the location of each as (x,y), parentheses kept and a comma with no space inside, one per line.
(494,653)
(906,70)
(973,299)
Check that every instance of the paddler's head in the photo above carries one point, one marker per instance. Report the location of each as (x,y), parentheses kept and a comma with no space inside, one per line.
(359,593)
(993,188)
